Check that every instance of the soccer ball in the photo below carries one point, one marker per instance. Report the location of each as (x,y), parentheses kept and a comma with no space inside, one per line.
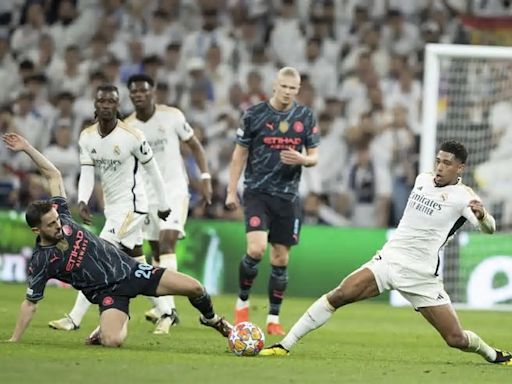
(246,339)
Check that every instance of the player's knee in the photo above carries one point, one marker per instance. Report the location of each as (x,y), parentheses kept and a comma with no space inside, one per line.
(456,340)
(256,251)
(196,289)
(339,297)
(112,341)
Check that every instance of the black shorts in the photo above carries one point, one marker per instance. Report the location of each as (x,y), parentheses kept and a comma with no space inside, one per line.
(143,280)
(280,217)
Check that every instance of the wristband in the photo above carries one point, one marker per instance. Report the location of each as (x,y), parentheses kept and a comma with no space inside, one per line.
(205,176)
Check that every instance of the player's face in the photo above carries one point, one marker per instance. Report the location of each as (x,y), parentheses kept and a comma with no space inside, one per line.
(448,169)
(106,104)
(285,89)
(50,228)
(141,94)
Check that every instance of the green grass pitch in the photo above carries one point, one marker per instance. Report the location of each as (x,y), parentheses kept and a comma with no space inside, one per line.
(362,343)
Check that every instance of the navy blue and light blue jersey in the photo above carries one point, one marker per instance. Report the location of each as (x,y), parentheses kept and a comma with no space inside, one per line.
(80,259)
(266,131)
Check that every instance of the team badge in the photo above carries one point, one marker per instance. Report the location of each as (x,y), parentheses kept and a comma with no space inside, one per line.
(117,150)
(107,301)
(62,245)
(298,127)
(283,126)
(67,230)
(254,221)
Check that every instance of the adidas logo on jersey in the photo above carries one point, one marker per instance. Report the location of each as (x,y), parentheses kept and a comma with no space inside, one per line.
(93,151)
(112,230)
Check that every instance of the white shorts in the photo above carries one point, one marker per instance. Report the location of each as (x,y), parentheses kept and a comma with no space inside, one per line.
(124,228)
(419,289)
(175,221)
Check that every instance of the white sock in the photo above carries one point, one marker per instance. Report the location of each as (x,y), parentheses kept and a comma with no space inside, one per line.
(163,305)
(477,345)
(315,316)
(169,261)
(273,319)
(79,309)
(241,304)
(155,302)
(140,259)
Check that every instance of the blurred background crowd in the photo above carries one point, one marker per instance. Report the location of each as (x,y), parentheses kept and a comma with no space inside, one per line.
(361,64)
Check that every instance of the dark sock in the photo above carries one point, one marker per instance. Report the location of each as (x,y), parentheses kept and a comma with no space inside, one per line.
(203,304)
(247,272)
(276,287)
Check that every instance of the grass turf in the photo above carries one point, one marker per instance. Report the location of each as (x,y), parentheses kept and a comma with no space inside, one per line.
(362,343)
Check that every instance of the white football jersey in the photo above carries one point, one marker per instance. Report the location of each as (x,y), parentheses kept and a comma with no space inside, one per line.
(431,217)
(164,131)
(118,157)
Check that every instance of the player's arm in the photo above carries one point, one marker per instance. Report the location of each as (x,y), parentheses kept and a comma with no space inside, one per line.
(200,156)
(292,157)
(485,222)
(27,311)
(18,143)
(238,161)
(144,154)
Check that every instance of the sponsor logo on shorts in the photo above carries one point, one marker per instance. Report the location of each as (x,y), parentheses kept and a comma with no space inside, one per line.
(67,230)
(298,127)
(107,301)
(254,221)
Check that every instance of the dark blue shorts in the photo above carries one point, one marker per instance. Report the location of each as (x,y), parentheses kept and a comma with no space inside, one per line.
(281,218)
(143,280)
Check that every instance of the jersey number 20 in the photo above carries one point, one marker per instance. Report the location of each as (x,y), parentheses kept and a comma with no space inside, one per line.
(144,271)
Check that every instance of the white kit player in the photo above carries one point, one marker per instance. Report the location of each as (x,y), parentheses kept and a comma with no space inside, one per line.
(118,152)
(165,127)
(438,206)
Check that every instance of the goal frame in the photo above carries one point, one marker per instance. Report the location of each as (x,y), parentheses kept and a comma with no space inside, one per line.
(431,77)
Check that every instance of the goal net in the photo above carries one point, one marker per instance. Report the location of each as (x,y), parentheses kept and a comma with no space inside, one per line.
(467,96)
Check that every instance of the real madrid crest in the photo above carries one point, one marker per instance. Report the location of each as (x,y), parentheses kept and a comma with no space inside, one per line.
(283,126)
(117,150)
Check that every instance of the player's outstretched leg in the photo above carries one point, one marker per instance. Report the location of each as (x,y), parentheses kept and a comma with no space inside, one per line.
(445,320)
(315,316)
(176,283)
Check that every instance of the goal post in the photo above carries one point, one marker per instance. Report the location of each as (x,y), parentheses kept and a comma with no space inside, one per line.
(434,55)
(466,89)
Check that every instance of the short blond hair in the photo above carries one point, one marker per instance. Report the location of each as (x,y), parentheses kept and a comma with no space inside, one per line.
(289,71)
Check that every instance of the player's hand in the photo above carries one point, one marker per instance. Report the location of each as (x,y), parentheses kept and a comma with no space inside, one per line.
(477,208)
(15,142)
(207,190)
(292,157)
(164,214)
(232,201)
(85,213)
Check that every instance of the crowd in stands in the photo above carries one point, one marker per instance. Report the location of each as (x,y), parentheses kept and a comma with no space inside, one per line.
(361,64)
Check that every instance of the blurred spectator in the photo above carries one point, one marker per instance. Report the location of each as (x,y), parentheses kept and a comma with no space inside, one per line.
(72,27)
(368,186)
(64,155)
(9,180)
(26,36)
(7,69)
(398,35)
(287,29)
